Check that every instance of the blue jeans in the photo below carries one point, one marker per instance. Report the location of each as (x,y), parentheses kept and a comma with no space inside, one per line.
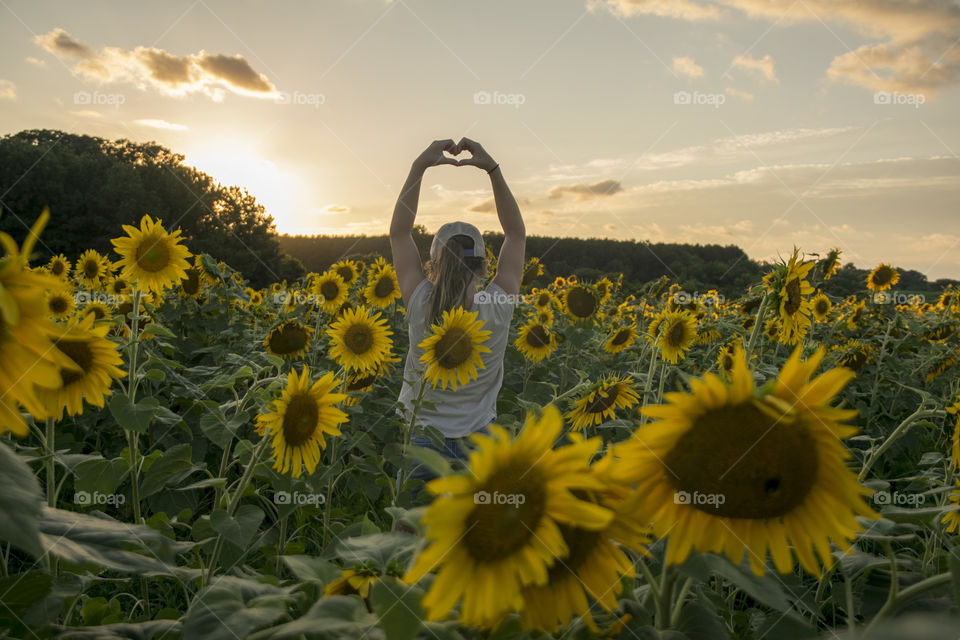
(452,448)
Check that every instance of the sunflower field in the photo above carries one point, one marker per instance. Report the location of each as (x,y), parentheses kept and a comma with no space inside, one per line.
(184,456)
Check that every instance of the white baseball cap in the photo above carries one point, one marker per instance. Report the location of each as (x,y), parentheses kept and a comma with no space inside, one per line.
(451,229)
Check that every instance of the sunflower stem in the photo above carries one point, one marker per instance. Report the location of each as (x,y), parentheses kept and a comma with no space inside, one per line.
(648,385)
(48,446)
(678,608)
(757,323)
(892,604)
(904,426)
(848,595)
(876,377)
(329,497)
(665,598)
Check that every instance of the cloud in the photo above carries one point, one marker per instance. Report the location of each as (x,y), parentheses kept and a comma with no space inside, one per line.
(736,93)
(685,66)
(168,73)
(8,90)
(335,208)
(586,191)
(483,206)
(36,62)
(915,52)
(86,113)
(762,67)
(161,124)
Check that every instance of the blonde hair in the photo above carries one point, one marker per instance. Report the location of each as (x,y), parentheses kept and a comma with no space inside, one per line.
(451,274)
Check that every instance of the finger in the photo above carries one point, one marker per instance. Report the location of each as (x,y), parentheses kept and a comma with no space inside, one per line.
(467,143)
(446,160)
(447,145)
(472,162)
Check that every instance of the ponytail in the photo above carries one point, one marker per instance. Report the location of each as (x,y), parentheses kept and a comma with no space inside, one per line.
(451,274)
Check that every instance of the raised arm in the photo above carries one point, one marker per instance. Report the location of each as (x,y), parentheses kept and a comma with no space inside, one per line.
(511,261)
(406,258)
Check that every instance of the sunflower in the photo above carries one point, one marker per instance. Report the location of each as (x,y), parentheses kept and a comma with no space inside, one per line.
(382,287)
(543,316)
(535,341)
(882,278)
(28,360)
(602,401)
(940,366)
(532,271)
(828,266)
(300,419)
(288,340)
(727,356)
(191,285)
(855,354)
(359,382)
(727,467)
(117,286)
(794,311)
(821,306)
(59,266)
(91,269)
(352,582)
(604,288)
(254,297)
(621,338)
(359,340)
(678,331)
(150,256)
(97,309)
(98,361)
(580,302)
(941,333)
(332,291)
(452,352)
(542,299)
(348,270)
(855,315)
(60,302)
(496,530)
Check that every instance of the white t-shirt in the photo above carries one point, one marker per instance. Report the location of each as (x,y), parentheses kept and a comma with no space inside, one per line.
(472,406)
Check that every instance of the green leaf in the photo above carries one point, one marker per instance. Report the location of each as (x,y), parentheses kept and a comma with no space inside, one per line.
(433,460)
(133,417)
(18,594)
(172,467)
(330,618)
(397,606)
(148,630)
(20,503)
(239,529)
(379,548)
(103,476)
(310,569)
(699,623)
(232,608)
(157,329)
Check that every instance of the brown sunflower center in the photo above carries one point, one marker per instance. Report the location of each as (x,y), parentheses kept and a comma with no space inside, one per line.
(601,402)
(384,286)
(80,352)
(58,268)
(289,338)
(882,275)
(581,302)
(822,307)
(153,254)
(677,335)
(622,336)
(507,513)
(361,382)
(727,362)
(793,299)
(191,284)
(58,304)
(330,290)
(537,337)
(543,300)
(582,543)
(346,273)
(752,464)
(454,348)
(358,338)
(91,268)
(300,419)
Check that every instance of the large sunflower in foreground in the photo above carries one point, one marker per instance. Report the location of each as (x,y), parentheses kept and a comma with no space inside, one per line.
(28,361)
(359,340)
(98,360)
(882,278)
(382,287)
(535,341)
(300,419)
(152,257)
(727,468)
(581,302)
(452,352)
(91,269)
(331,290)
(602,401)
(677,332)
(497,529)
(288,340)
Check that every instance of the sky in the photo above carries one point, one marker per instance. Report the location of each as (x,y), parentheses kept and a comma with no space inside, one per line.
(767,124)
